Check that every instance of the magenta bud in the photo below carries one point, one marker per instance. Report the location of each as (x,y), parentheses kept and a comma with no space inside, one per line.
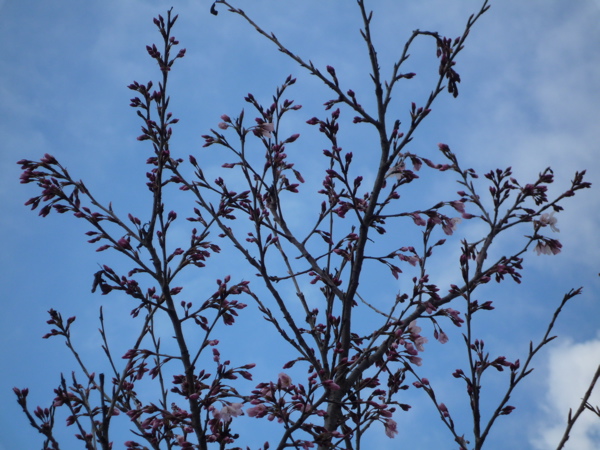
(443,147)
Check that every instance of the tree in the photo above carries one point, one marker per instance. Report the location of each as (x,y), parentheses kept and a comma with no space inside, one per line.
(357,371)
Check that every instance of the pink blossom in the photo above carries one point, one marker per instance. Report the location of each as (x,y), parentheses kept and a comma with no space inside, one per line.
(285,380)
(257,411)
(223,126)
(548,247)
(418,219)
(396,170)
(415,360)
(450,225)
(229,411)
(266,129)
(454,315)
(412,260)
(542,249)
(391,428)
(410,349)
(459,206)
(550,220)
(414,329)
(304,407)
(417,163)
(443,337)
(420,342)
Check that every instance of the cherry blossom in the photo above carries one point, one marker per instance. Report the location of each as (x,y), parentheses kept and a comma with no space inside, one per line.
(266,129)
(257,411)
(550,220)
(449,225)
(284,380)
(229,411)
(391,428)
(547,246)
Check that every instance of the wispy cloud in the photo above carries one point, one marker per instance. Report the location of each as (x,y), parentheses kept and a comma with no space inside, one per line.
(570,369)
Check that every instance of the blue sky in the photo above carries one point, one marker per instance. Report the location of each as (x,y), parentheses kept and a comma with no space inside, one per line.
(529,99)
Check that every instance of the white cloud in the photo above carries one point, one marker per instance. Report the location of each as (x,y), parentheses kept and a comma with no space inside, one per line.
(571,367)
